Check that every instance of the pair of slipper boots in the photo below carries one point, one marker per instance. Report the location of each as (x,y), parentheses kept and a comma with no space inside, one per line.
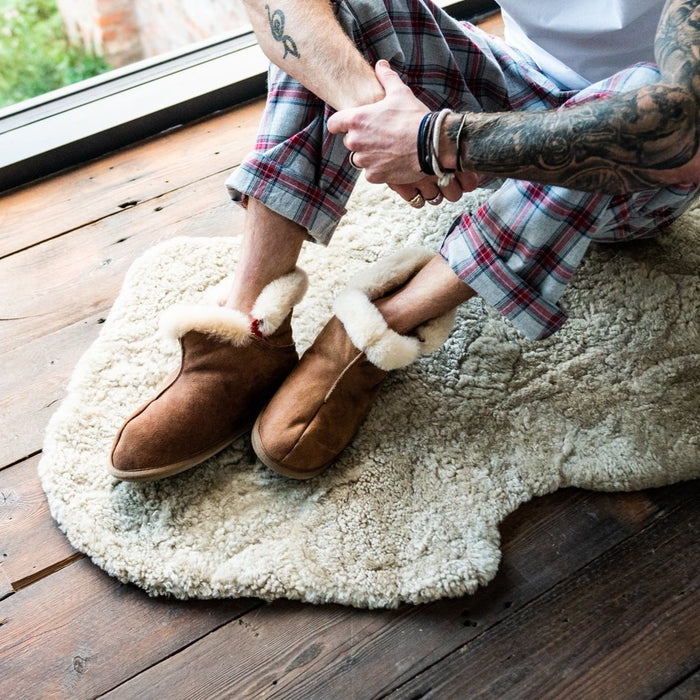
(235,376)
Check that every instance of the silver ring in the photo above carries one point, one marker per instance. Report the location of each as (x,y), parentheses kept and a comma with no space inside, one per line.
(437,199)
(417,202)
(352,161)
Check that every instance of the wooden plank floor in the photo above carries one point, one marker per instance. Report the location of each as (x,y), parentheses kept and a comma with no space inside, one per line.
(597,595)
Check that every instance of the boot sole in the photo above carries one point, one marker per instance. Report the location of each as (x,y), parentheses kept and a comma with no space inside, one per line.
(274,465)
(159,473)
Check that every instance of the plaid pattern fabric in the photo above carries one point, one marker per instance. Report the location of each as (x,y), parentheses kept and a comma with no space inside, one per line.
(521,248)
(299,169)
(523,245)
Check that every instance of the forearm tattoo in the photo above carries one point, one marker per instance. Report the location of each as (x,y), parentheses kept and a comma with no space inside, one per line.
(277,21)
(613,145)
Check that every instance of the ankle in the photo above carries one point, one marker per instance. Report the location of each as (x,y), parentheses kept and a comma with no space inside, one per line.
(242,299)
(397,316)
(270,248)
(434,291)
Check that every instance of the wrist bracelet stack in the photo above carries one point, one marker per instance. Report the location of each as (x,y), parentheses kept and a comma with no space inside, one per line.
(429,145)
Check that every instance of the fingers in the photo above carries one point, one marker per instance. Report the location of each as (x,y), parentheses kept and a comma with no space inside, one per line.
(410,194)
(406,192)
(343,121)
(389,78)
(426,190)
(339,123)
(452,192)
(417,201)
(467,181)
(420,193)
(352,158)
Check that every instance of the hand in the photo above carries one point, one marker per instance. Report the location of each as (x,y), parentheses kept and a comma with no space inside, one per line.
(383,139)
(429,191)
(383,135)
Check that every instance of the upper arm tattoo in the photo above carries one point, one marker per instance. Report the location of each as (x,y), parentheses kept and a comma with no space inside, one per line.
(677,43)
(613,145)
(277,21)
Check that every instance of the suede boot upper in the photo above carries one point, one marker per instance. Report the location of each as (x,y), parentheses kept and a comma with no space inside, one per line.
(230,366)
(322,404)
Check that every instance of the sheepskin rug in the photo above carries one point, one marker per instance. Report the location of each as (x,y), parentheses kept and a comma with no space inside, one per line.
(410,512)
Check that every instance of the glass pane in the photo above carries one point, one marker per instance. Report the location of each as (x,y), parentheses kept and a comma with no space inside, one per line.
(46,44)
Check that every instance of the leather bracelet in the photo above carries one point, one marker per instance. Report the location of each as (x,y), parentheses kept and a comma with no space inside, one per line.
(425,160)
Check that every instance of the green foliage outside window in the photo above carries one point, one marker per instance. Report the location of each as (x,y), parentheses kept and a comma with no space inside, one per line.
(35,56)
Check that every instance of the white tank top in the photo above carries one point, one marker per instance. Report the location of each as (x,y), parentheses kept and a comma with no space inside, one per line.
(579,42)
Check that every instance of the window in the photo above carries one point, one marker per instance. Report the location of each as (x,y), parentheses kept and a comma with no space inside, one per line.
(47,44)
(88,119)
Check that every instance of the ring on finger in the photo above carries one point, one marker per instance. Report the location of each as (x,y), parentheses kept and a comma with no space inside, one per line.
(437,198)
(417,202)
(352,161)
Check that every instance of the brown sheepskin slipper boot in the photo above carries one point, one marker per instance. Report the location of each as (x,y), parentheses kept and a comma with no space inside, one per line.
(230,367)
(321,405)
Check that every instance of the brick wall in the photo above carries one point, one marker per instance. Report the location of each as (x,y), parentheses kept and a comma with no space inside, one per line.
(124,31)
(171,24)
(106,27)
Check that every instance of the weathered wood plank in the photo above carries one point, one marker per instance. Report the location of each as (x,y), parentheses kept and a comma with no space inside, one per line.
(138,174)
(79,633)
(58,314)
(6,588)
(250,654)
(355,653)
(689,689)
(31,545)
(626,626)
(493,24)
(33,382)
(65,280)
(536,555)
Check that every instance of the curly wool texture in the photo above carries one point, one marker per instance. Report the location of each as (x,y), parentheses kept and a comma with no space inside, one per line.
(456,441)
(366,326)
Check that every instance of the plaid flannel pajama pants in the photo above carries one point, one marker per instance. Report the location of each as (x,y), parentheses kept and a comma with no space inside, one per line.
(519,250)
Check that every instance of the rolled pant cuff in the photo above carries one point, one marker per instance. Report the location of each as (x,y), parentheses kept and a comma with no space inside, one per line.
(502,288)
(287,195)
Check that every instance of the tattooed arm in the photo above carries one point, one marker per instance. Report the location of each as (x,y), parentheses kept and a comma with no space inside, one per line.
(304,39)
(633,141)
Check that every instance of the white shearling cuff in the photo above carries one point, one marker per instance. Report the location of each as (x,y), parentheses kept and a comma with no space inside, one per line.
(225,324)
(366,326)
(272,306)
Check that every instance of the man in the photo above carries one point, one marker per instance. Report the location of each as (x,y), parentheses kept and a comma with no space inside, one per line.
(590,112)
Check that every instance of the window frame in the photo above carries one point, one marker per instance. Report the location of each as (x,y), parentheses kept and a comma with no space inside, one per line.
(86,120)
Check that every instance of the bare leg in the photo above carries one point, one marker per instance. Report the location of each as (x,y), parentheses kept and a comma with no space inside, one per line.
(270,249)
(434,291)
(271,246)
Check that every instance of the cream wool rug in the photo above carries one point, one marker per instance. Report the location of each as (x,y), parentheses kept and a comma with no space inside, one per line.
(456,442)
